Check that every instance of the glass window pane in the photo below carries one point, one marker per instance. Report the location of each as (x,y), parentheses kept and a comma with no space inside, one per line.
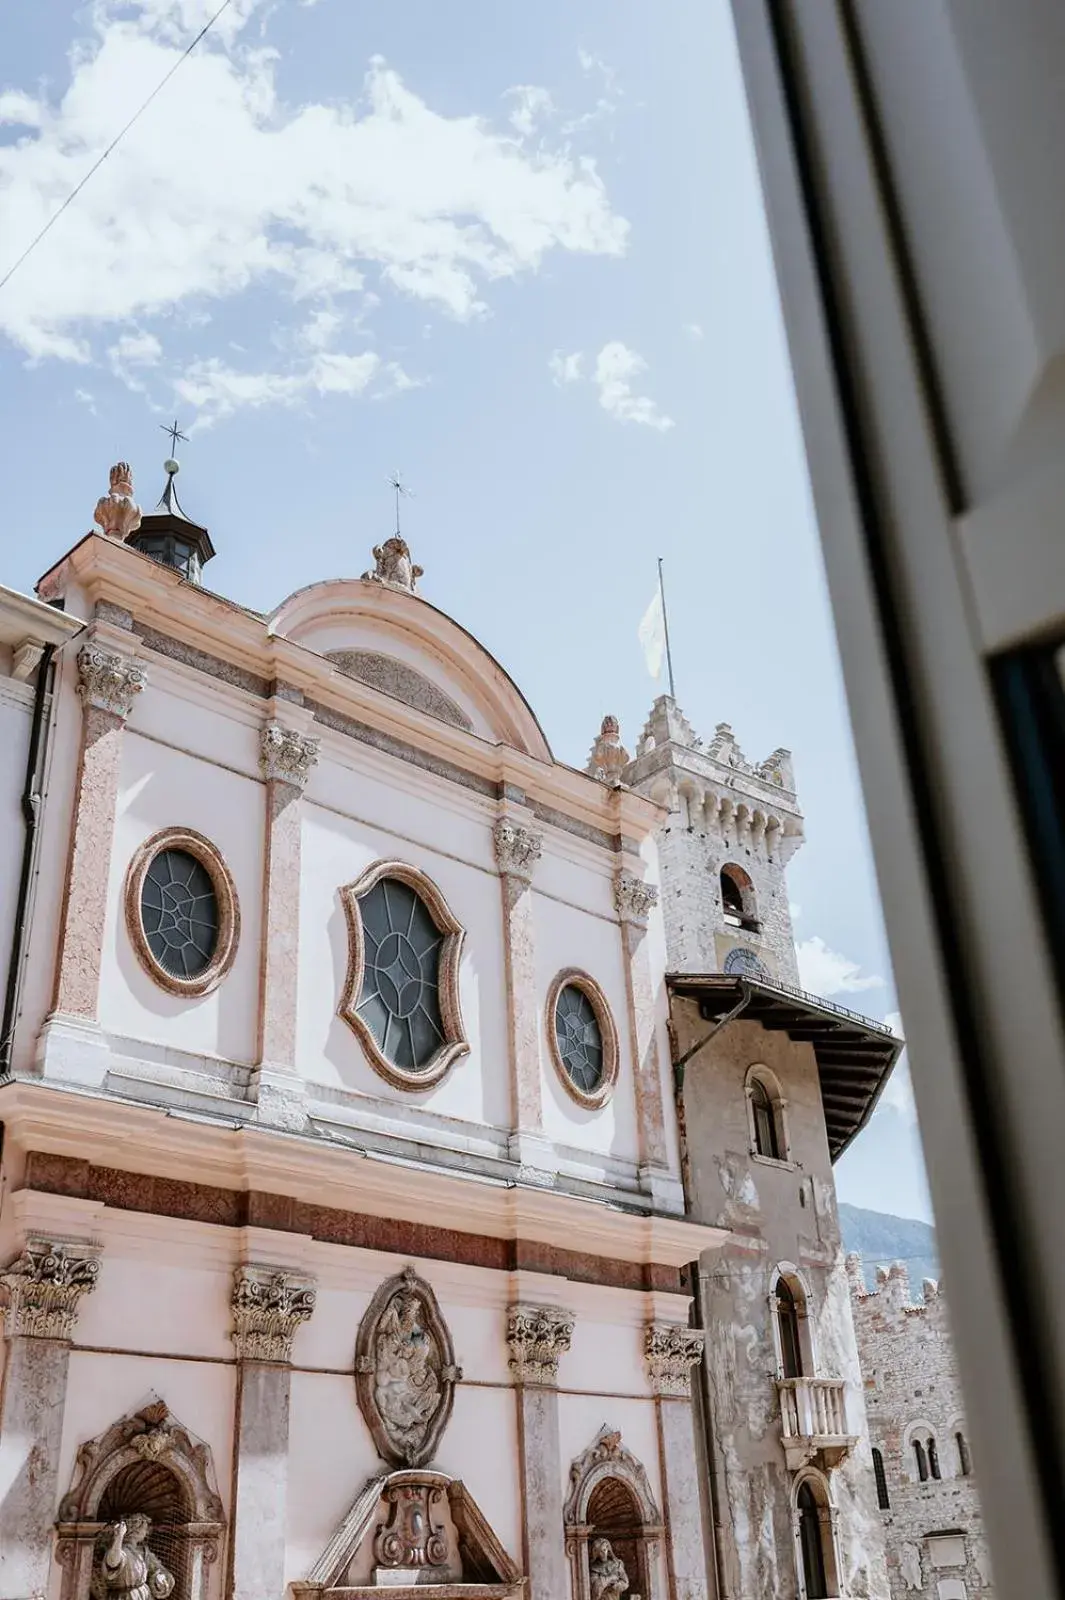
(179,913)
(579,1039)
(399,1000)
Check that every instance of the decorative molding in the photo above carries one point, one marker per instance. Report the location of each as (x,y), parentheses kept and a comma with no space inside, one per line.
(268,1306)
(455,1044)
(670,1351)
(517,848)
(403,682)
(109,681)
(608,1032)
(117,513)
(633,898)
(607,1458)
(213,863)
(393,566)
(413,1543)
(44,1286)
(536,1337)
(405,1372)
(286,756)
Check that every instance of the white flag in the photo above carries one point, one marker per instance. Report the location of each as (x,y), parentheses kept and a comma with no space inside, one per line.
(652,635)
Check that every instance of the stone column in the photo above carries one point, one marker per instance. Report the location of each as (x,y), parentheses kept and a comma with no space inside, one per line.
(286,756)
(517,850)
(634,900)
(109,682)
(671,1351)
(537,1336)
(269,1303)
(43,1288)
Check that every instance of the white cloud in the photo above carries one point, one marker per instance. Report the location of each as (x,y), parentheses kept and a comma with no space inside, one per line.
(21,110)
(87,399)
(825,972)
(566,369)
(694,330)
(615,368)
(794,911)
(307,201)
(130,355)
(532,106)
(217,390)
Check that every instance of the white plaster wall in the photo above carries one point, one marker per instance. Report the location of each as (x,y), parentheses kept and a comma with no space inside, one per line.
(162,786)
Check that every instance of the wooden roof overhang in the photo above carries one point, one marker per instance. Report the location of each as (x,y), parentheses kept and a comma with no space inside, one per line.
(854,1054)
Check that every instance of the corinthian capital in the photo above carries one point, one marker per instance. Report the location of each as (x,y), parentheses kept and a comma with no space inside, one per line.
(517,848)
(287,755)
(536,1337)
(633,898)
(268,1307)
(108,680)
(670,1351)
(44,1285)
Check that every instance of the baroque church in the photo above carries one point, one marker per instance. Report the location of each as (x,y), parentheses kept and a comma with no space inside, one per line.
(417,1154)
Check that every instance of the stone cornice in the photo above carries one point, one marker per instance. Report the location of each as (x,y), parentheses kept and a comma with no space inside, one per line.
(44,1285)
(152,1141)
(160,600)
(268,1306)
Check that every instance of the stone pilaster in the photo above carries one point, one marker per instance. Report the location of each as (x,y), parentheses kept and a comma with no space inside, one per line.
(287,757)
(634,900)
(110,679)
(671,1351)
(269,1304)
(517,850)
(42,1290)
(536,1337)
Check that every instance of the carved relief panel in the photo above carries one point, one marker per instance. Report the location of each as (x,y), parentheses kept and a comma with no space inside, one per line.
(405,1372)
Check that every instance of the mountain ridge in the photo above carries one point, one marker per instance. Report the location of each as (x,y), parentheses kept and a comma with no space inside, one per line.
(882,1239)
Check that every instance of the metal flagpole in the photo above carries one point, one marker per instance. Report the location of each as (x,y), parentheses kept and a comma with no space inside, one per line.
(665,629)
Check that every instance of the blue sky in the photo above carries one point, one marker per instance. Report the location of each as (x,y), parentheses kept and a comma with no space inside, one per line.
(517,252)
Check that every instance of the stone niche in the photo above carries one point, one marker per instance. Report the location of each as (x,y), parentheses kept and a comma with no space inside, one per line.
(413,1533)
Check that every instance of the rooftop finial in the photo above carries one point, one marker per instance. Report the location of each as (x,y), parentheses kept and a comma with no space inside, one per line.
(608,756)
(400,490)
(117,513)
(175,434)
(392,560)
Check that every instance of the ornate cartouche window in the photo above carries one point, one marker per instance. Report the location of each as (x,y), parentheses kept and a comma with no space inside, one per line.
(182,912)
(582,1038)
(401,996)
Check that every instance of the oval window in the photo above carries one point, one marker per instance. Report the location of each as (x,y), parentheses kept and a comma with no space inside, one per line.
(179,910)
(580,1039)
(400,997)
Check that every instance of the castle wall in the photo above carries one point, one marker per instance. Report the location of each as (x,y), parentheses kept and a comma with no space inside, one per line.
(912,1390)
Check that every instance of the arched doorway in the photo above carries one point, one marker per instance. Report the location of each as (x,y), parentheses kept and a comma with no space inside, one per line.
(815,1539)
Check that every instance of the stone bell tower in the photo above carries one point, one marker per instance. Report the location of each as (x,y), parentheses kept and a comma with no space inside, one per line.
(733,827)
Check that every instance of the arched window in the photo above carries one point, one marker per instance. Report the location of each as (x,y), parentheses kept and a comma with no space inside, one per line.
(812,1543)
(787,1313)
(965,1465)
(766,1116)
(737,898)
(882,1499)
(921,1459)
(933,1458)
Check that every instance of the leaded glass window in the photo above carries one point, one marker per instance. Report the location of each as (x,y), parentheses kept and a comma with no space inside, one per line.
(179,913)
(579,1038)
(400,996)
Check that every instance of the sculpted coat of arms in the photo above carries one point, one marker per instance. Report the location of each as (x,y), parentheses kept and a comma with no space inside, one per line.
(405,1372)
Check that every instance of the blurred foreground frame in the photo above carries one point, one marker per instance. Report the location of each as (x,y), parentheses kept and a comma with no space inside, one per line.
(911,157)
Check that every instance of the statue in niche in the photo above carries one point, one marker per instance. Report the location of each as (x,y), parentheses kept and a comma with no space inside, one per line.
(405,1372)
(125,1567)
(607,1572)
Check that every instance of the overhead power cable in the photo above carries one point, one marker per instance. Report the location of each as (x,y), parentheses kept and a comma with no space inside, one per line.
(73,195)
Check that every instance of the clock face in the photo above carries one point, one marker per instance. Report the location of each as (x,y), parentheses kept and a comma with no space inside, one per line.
(743,963)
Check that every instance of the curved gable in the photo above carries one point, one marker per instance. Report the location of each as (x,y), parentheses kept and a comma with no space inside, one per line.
(401,645)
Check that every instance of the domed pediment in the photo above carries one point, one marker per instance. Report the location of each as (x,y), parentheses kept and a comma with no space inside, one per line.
(399,644)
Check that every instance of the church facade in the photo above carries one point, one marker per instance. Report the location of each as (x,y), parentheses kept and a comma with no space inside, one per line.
(354,1235)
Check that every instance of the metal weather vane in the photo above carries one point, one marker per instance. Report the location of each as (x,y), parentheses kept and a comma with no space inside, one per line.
(175,434)
(400,489)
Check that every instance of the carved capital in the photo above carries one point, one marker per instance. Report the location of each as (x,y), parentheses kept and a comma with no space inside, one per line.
(44,1286)
(517,848)
(287,755)
(670,1351)
(536,1337)
(633,898)
(268,1306)
(108,680)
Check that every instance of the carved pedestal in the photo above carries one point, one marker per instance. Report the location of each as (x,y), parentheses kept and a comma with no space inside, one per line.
(537,1336)
(268,1307)
(42,1288)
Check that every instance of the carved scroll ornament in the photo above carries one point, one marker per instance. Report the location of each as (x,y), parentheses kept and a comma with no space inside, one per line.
(405,1372)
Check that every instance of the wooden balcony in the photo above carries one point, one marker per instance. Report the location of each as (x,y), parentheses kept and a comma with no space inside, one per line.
(814,1421)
